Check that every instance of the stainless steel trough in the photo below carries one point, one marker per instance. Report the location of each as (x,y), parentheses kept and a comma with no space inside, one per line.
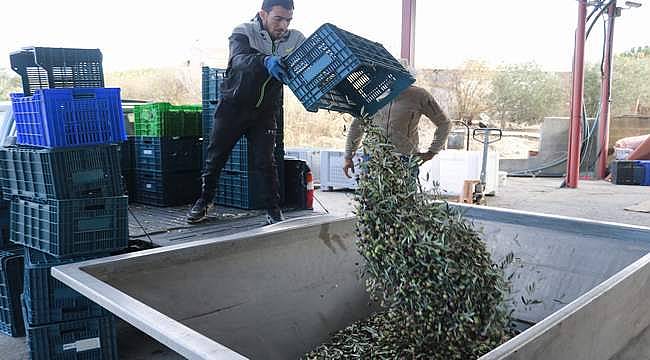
(277,292)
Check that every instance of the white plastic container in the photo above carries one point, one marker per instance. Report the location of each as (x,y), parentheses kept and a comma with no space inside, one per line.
(623,153)
(331,170)
(450,169)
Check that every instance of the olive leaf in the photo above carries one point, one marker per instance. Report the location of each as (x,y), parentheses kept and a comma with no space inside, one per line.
(429,269)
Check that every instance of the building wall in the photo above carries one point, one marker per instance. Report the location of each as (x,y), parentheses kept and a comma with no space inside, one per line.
(628,125)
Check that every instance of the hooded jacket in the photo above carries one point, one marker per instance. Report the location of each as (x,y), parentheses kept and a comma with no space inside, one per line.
(247,83)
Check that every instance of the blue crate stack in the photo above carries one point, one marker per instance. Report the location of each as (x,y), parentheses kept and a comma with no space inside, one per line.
(239,183)
(165,164)
(11,286)
(67,204)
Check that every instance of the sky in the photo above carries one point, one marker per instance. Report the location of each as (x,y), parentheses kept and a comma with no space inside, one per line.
(137,34)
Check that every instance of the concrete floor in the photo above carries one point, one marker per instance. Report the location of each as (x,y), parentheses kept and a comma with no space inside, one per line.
(597,200)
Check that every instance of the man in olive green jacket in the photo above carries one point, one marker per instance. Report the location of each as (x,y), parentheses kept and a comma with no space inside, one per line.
(399,122)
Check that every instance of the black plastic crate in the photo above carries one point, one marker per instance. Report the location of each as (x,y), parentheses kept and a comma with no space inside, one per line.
(627,172)
(167,189)
(127,154)
(11,286)
(88,339)
(4,226)
(48,300)
(168,154)
(69,173)
(337,70)
(128,178)
(68,228)
(43,68)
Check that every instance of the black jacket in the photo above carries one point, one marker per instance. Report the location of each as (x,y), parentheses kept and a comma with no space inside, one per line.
(247,83)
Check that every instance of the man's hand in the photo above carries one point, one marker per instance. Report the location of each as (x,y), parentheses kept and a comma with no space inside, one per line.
(276,68)
(426,156)
(347,166)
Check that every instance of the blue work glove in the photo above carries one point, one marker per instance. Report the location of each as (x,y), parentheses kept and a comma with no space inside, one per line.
(276,68)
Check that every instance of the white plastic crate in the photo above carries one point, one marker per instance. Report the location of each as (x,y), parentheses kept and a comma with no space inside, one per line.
(310,156)
(331,170)
(450,168)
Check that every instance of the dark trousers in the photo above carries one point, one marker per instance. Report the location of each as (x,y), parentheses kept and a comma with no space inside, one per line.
(259,126)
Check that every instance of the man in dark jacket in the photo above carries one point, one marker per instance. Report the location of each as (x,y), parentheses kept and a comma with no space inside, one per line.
(251,102)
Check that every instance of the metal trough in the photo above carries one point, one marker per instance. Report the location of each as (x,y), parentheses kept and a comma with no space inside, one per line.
(277,292)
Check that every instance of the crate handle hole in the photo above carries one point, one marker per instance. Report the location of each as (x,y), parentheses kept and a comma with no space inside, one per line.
(95,207)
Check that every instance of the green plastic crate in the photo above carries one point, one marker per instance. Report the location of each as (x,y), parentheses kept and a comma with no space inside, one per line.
(165,119)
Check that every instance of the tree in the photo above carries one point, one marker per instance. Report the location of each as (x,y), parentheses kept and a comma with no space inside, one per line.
(630,84)
(638,52)
(524,92)
(9,83)
(470,88)
(593,78)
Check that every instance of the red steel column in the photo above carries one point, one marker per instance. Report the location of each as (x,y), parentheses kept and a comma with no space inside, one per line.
(575,136)
(606,91)
(408,31)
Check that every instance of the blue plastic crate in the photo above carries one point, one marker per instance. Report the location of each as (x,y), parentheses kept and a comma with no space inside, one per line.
(210,84)
(211,80)
(168,154)
(69,173)
(645,179)
(167,188)
(69,117)
(240,190)
(337,70)
(88,339)
(48,300)
(69,228)
(11,286)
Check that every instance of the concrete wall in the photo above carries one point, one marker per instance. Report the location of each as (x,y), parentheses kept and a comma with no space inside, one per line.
(629,125)
(554,140)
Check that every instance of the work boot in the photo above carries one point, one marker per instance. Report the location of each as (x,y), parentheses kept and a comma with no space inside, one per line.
(199,211)
(274,215)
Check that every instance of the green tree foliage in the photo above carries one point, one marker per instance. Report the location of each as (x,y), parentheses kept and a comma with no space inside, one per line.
(470,89)
(9,83)
(638,52)
(592,89)
(526,93)
(172,85)
(630,84)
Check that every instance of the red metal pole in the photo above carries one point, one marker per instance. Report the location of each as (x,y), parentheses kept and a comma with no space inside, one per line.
(606,91)
(575,135)
(408,31)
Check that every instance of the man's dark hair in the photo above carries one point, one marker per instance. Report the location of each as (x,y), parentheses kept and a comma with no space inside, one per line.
(267,5)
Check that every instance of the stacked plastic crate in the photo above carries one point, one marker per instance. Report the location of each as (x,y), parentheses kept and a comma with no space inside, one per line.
(168,154)
(239,183)
(631,172)
(67,198)
(127,164)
